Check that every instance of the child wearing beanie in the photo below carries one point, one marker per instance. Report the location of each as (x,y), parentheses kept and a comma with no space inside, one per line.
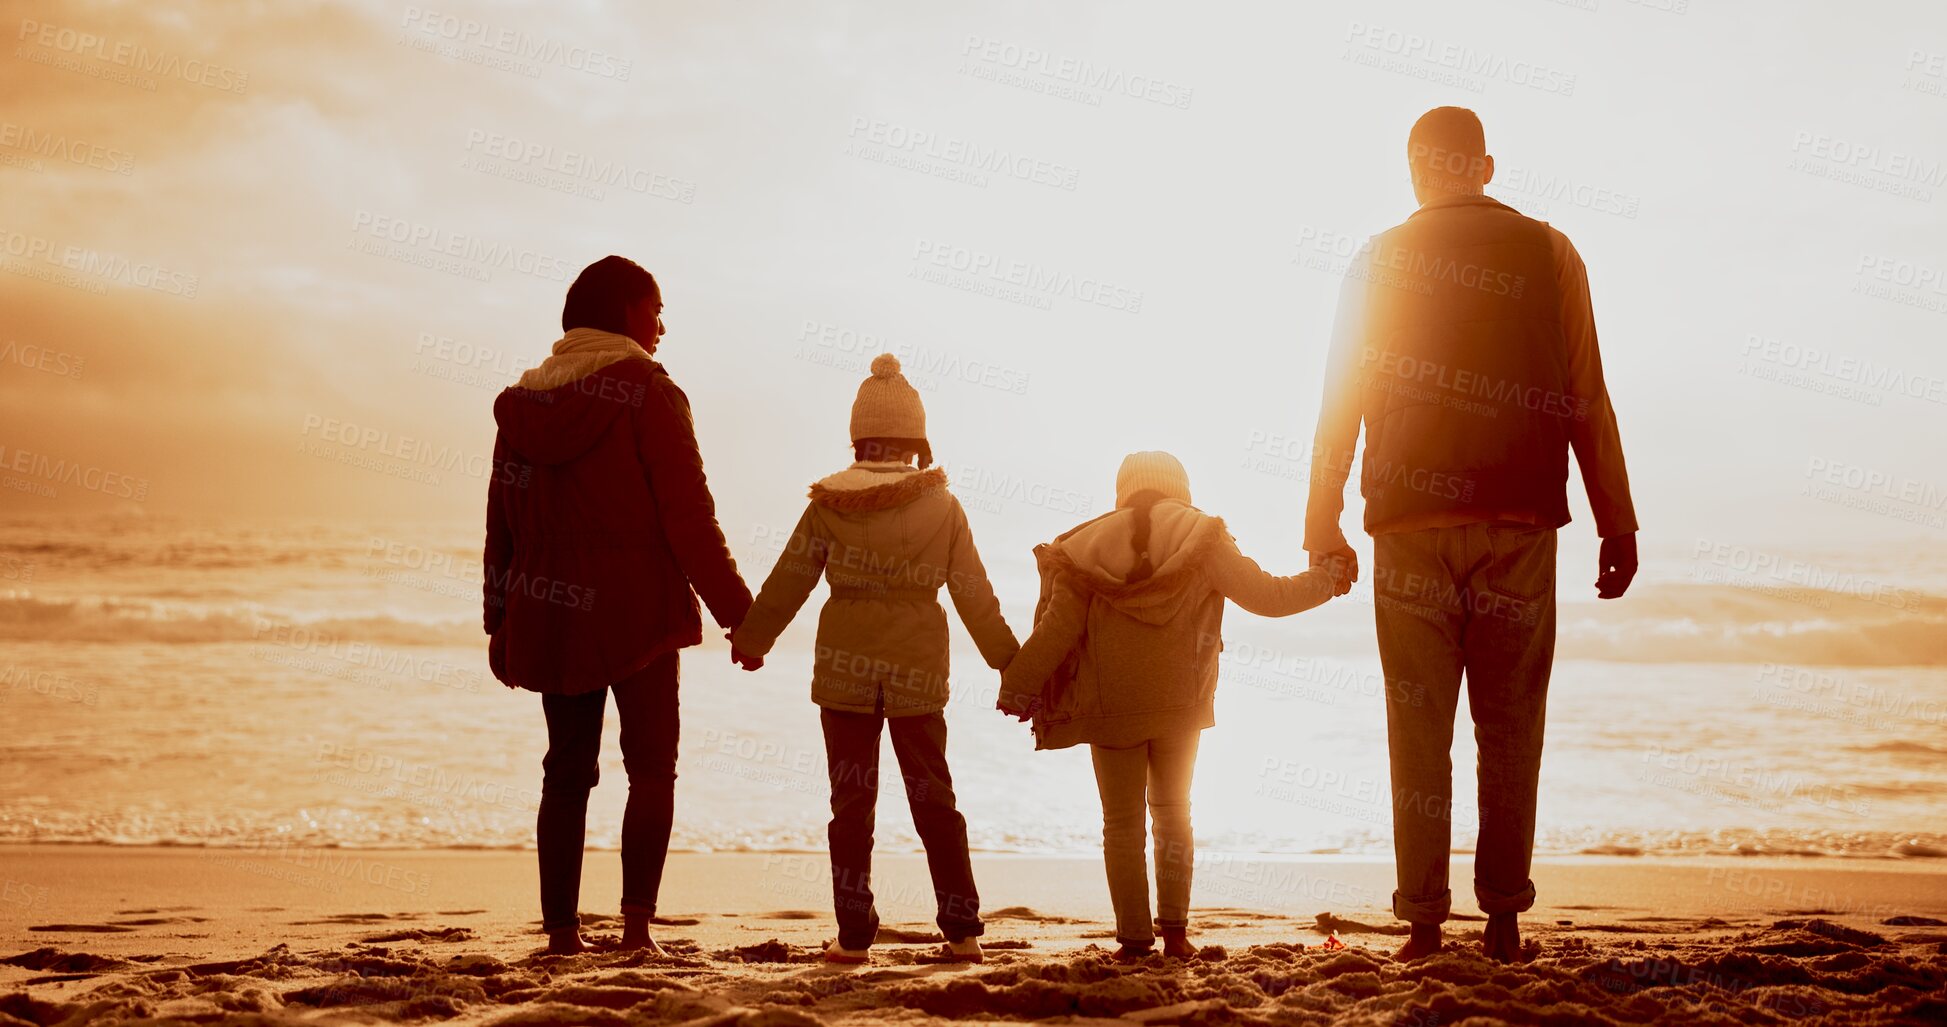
(887,535)
(1124,658)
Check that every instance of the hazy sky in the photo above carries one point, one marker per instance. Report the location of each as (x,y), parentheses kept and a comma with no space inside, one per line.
(274,260)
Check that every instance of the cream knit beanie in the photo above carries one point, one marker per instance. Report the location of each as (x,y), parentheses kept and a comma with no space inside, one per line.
(888,406)
(1153,469)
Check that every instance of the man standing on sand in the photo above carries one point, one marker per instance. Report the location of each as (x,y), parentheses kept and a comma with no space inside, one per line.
(1467,348)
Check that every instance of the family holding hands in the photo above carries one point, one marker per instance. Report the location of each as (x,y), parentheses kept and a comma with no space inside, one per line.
(599,483)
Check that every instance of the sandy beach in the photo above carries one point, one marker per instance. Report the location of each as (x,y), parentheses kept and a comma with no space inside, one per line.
(97,934)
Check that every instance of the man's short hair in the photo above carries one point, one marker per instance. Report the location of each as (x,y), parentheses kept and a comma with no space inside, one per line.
(1447,144)
(604,292)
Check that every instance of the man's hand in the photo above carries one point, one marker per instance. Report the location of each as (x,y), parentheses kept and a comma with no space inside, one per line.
(1344,565)
(1616,567)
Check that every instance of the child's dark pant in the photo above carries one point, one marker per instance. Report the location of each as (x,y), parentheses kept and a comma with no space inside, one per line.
(852,760)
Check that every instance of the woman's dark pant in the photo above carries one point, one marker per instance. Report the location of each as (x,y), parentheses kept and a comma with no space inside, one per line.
(646,704)
(852,760)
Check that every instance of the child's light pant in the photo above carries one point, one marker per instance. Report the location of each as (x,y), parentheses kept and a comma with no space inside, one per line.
(1152,778)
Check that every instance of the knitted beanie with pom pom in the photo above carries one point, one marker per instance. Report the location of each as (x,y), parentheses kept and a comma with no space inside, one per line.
(888,406)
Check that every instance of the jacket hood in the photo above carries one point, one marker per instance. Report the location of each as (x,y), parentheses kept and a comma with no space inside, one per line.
(869,485)
(1100,555)
(554,426)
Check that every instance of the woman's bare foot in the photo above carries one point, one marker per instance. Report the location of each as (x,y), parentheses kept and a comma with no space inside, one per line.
(1176,943)
(1423,942)
(1501,941)
(565,941)
(635,935)
(1134,952)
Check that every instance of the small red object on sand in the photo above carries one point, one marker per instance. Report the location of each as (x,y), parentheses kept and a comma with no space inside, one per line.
(1332,943)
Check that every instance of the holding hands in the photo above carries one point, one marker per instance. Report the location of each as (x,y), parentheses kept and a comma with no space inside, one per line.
(1022,706)
(739,657)
(1344,566)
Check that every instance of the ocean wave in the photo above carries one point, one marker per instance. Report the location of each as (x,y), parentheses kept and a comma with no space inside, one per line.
(1735,624)
(108,619)
(1902,747)
(93,546)
(1657,623)
(38,827)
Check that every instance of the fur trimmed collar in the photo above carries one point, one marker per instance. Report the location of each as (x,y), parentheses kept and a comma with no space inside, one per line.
(876,486)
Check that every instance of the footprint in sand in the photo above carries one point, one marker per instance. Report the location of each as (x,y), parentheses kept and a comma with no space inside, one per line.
(358,918)
(1024,913)
(1328,923)
(901,936)
(82,928)
(83,963)
(423,934)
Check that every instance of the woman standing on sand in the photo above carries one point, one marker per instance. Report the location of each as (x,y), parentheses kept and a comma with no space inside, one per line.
(600,534)
(1124,658)
(887,534)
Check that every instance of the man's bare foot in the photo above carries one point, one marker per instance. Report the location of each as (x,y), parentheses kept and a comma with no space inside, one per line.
(565,941)
(966,950)
(1176,943)
(1424,941)
(1501,940)
(635,935)
(1134,952)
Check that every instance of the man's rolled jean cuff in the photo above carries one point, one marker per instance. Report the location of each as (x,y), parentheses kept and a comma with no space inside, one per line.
(1505,902)
(564,925)
(638,909)
(961,930)
(1431,910)
(1164,921)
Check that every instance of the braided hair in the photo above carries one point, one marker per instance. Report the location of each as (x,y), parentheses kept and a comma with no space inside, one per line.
(1142,506)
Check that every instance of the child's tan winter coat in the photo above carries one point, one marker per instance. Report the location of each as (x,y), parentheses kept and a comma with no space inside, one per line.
(887,537)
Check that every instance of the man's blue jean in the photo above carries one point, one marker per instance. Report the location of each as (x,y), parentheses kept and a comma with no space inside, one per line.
(1473,602)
